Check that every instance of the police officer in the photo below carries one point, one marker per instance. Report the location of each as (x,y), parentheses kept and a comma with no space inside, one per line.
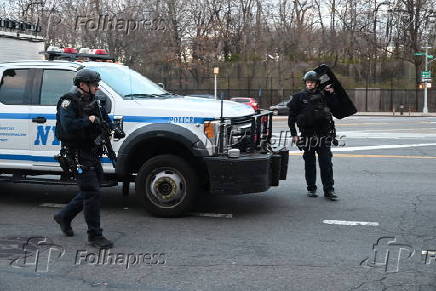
(310,110)
(79,130)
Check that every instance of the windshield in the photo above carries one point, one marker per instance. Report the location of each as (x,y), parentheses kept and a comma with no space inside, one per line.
(128,83)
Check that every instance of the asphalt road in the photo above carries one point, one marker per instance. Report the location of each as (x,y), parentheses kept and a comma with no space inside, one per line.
(379,236)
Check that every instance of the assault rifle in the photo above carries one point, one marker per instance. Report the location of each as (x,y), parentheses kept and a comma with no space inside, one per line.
(104,139)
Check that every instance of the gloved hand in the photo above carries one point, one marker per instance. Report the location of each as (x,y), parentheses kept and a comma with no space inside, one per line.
(329,89)
(119,133)
(94,119)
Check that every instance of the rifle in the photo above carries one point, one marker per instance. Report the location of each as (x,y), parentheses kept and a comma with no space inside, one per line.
(104,139)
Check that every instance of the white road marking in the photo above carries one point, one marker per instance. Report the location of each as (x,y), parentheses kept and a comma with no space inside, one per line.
(214,215)
(346,222)
(430,253)
(385,135)
(378,147)
(52,205)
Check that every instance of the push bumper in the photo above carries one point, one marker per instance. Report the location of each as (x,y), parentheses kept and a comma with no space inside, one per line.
(248,173)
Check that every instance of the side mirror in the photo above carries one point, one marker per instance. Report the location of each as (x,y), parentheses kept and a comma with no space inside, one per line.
(162,85)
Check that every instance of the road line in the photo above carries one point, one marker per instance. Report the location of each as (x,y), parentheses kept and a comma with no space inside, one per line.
(429,252)
(52,205)
(383,156)
(368,123)
(364,134)
(214,215)
(371,156)
(402,129)
(352,223)
(382,123)
(378,147)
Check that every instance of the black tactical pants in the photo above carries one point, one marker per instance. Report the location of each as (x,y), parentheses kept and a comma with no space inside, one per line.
(325,165)
(88,199)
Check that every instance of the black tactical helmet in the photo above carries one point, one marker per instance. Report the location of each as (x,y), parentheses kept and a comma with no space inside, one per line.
(311,76)
(86,76)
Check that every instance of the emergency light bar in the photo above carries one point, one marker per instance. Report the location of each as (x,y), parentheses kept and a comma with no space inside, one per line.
(71,54)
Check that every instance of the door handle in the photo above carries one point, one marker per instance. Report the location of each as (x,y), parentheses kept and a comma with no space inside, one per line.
(39,119)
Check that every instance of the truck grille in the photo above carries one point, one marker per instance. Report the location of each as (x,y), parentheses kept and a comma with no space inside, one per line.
(250,133)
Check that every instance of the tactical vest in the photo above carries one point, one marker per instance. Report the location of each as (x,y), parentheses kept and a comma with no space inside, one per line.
(315,115)
(60,133)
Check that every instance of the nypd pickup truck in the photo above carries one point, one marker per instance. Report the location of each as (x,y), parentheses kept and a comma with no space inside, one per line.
(176,147)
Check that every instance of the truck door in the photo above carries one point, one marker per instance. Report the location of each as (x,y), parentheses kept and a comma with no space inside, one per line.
(53,84)
(16,87)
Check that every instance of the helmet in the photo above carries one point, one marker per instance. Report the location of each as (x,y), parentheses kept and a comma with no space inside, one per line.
(311,76)
(86,76)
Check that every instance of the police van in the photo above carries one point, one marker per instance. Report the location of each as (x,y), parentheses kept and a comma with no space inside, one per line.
(176,147)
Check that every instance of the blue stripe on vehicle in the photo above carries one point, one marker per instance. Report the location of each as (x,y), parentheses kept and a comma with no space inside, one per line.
(153,119)
(26,115)
(144,119)
(38,158)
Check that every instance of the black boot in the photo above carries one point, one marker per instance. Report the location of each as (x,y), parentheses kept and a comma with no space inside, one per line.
(64,225)
(331,195)
(100,242)
(312,193)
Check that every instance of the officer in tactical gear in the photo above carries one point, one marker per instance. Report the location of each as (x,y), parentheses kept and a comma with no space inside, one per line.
(77,128)
(310,110)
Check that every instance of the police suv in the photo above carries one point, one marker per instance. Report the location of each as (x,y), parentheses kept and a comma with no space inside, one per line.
(176,147)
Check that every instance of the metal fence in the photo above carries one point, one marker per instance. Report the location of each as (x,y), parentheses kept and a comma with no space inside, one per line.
(365,99)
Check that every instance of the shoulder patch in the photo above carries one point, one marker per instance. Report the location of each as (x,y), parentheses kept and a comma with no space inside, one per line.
(65,103)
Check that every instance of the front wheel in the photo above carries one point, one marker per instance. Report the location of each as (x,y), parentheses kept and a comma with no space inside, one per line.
(167,186)
(275,112)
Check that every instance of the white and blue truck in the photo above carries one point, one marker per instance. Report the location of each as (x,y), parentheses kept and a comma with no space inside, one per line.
(176,147)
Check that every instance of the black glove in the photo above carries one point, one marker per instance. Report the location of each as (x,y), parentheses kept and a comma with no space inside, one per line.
(119,133)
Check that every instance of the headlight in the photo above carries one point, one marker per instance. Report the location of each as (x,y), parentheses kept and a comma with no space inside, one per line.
(211,129)
(212,132)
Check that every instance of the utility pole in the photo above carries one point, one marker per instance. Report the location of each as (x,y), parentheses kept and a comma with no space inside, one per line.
(425,76)
(425,109)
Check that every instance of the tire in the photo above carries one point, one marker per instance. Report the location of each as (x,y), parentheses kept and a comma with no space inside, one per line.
(167,186)
(275,112)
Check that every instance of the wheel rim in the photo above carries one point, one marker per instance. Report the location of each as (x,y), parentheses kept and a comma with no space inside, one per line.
(275,112)
(166,187)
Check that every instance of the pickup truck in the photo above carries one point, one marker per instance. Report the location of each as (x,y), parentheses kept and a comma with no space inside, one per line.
(176,147)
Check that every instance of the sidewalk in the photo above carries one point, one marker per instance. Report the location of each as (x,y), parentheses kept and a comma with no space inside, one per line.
(405,114)
(379,114)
